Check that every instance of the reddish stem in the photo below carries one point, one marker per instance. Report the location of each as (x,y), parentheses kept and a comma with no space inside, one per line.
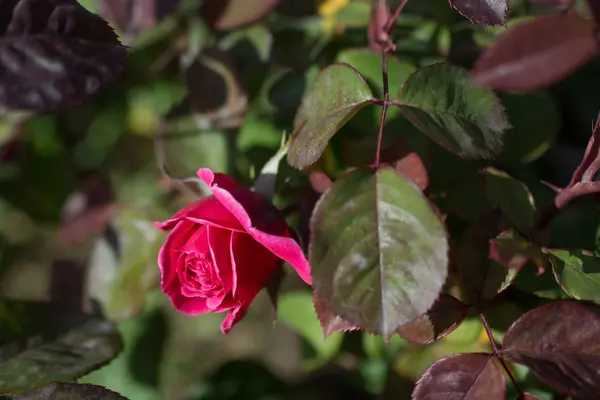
(389,26)
(386,97)
(490,334)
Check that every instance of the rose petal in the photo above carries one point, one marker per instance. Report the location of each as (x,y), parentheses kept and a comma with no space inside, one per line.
(234,316)
(169,254)
(207,211)
(253,267)
(269,228)
(218,243)
(189,305)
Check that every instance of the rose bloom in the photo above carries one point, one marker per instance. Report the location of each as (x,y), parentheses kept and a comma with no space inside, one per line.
(222,250)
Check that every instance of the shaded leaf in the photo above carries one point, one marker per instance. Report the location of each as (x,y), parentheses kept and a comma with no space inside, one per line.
(445,316)
(462,376)
(482,277)
(378,251)
(54,55)
(40,344)
(488,12)
(577,272)
(512,197)
(334,97)
(214,72)
(512,251)
(467,120)
(230,14)
(559,343)
(543,285)
(535,120)
(519,60)
(529,396)
(71,391)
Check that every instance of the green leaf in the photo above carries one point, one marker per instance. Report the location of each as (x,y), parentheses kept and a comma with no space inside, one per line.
(577,272)
(334,97)
(71,391)
(511,197)
(296,310)
(368,64)
(467,120)
(40,344)
(379,253)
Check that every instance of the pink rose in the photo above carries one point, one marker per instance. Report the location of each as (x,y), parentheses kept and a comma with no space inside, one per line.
(223,249)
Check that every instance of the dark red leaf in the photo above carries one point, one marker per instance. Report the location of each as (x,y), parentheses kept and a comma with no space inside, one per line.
(560,343)
(471,376)
(445,316)
(407,162)
(488,12)
(595,9)
(329,322)
(512,251)
(54,54)
(536,54)
(230,14)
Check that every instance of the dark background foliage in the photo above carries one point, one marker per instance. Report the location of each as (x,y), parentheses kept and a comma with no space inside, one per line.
(99,131)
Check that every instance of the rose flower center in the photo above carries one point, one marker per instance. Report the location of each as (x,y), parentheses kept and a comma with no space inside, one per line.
(198,276)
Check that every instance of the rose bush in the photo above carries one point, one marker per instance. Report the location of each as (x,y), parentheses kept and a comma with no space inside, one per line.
(222,250)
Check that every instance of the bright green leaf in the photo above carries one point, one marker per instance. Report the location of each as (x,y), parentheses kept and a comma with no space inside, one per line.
(467,120)
(511,197)
(334,97)
(578,273)
(296,310)
(368,64)
(379,253)
(40,344)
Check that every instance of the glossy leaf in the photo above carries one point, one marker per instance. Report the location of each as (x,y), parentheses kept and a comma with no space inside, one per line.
(462,376)
(511,197)
(40,344)
(378,251)
(488,12)
(577,272)
(334,97)
(519,60)
(467,120)
(444,317)
(230,14)
(54,55)
(71,391)
(559,344)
